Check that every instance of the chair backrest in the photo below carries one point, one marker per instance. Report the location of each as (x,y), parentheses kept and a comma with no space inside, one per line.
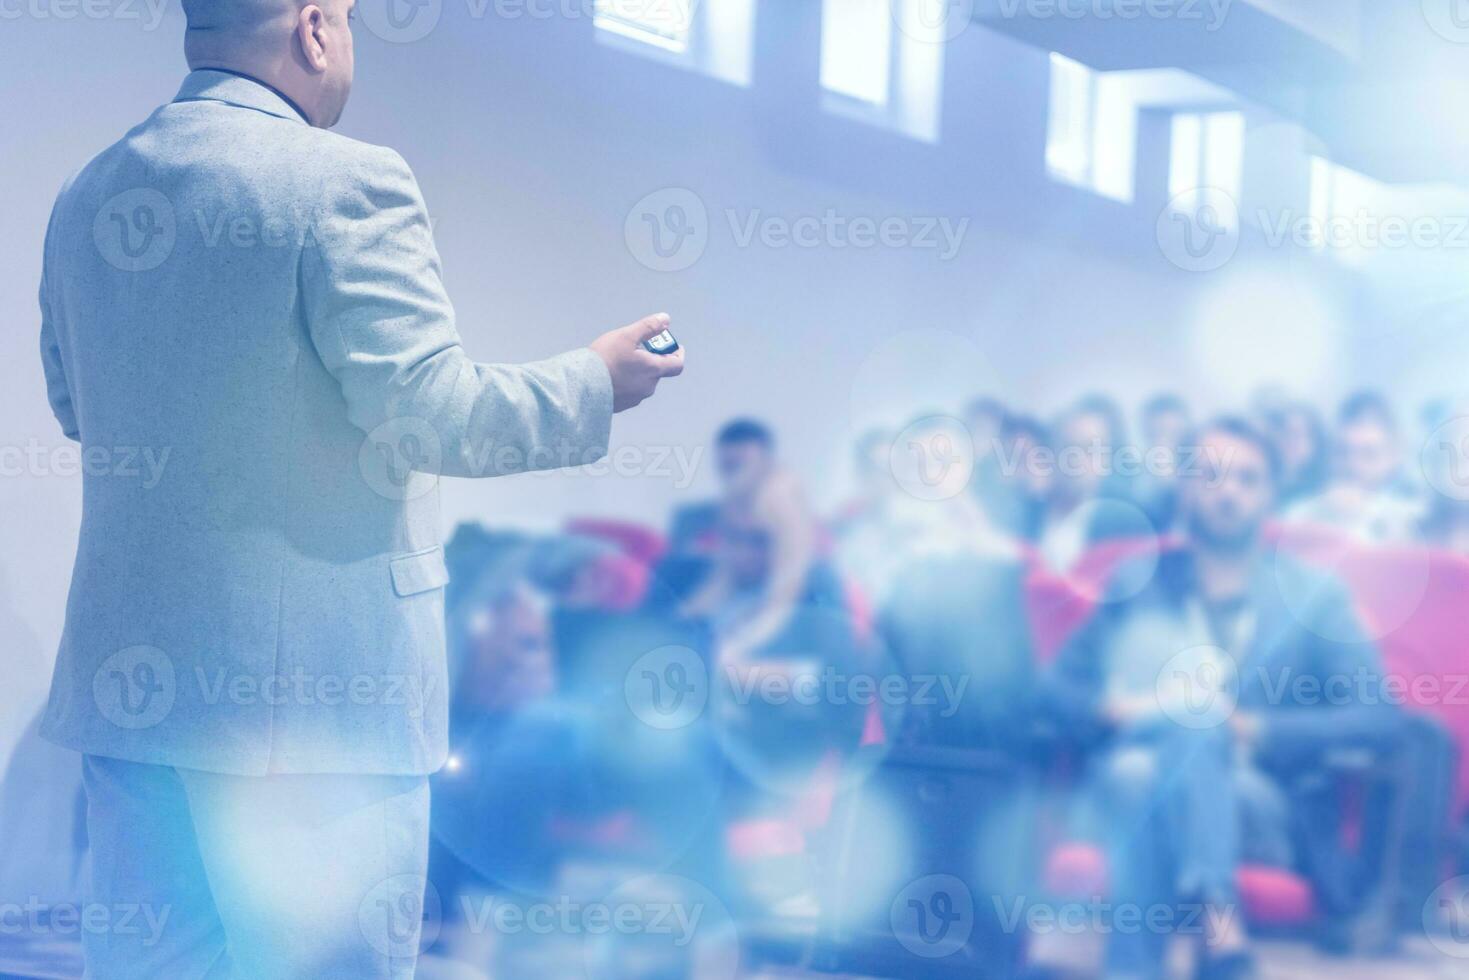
(959,619)
(1416,602)
(1057,603)
(637,541)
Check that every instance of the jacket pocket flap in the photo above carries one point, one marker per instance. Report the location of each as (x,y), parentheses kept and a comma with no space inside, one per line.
(419,572)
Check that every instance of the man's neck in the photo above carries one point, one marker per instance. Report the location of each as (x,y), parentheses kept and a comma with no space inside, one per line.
(1224,573)
(257,78)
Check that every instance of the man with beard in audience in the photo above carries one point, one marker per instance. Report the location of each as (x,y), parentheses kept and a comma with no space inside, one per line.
(1202,696)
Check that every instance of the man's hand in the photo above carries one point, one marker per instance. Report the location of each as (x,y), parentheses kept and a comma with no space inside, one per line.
(635,370)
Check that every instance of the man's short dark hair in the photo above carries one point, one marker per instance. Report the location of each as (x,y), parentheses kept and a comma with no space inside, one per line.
(1163,404)
(986,406)
(1103,407)
(1367,406)
(742,431)
(1025,426)
(1238,427)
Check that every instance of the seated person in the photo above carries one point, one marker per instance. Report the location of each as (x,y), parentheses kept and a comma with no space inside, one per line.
(1195,696)
(765,560)
(777,614)
(893,527)
(1299,434)
(1080,508)
(513,763)
(685,566)
(1026,481)
(1165,424)
(1366,498)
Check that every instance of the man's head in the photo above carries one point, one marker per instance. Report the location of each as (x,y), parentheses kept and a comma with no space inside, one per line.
(1367,452)
(1231,492)
(303,50)
(1087,436)
(1165,422)
(1021,437)
(984,418)
(746,455)
(1300,437)
(511,661)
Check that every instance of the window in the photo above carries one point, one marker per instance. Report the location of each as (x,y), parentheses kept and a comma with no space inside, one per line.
(1343,203)
(714,37)
(857,49)
(1207,153)
(1069,140)
(662,23)
(1092,135)
(882,63)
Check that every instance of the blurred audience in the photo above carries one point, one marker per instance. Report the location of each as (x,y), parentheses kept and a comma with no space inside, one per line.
(1367,496)
(1080,508)
(1027,485)
(1165,425)
(1203,686)
(1300,439)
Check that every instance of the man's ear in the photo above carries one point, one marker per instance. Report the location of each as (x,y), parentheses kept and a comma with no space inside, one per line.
(310,28)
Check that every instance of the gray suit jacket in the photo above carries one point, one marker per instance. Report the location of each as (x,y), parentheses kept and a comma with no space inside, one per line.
(244,324)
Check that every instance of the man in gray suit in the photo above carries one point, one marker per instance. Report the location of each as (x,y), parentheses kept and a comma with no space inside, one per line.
(253,660)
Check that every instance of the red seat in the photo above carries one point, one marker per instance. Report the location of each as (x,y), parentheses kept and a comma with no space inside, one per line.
(640,543)
(612,583)
(1058,603)
(1270,896)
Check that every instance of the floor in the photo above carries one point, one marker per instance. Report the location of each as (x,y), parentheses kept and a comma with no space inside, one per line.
(1279,961)
(1298,961)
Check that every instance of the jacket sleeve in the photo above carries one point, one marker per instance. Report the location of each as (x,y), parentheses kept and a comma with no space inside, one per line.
(382,324)
(58,392)
(1348,701)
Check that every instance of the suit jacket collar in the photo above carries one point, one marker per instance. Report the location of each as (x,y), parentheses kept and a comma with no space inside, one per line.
(220,85)
(1272,619)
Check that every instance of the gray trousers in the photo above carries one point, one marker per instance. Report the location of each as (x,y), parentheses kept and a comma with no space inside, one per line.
(203,875)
